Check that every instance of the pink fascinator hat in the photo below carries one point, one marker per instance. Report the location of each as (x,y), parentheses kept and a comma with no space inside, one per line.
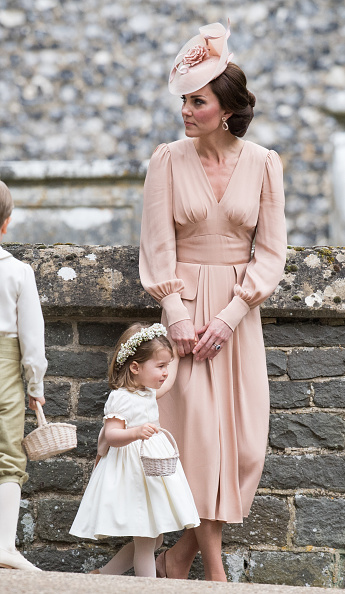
(200,60)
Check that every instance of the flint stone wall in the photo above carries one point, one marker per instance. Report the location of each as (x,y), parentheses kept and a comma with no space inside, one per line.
(295,532)
(87,81)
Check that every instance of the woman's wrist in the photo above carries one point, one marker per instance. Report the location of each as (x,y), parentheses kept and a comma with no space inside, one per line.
(234,312)
(174,308)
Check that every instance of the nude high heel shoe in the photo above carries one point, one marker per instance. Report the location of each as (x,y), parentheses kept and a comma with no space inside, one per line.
(161,569)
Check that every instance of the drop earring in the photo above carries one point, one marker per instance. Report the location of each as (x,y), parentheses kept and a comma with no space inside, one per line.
(225,124)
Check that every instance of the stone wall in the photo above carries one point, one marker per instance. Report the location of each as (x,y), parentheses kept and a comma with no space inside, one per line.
(86,81)
(295,531)
(97,203)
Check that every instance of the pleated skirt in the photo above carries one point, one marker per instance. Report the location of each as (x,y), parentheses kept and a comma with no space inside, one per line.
(218,410)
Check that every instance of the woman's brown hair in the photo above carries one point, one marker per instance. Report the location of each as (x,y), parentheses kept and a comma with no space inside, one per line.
(122,377)
(231,91)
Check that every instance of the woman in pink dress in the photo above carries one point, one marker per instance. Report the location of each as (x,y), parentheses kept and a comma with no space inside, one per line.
(213,248)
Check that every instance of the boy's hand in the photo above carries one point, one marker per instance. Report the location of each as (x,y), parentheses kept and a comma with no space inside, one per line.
(32,402)
(146,431)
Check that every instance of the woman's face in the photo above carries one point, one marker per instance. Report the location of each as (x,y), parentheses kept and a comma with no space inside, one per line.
(201,112)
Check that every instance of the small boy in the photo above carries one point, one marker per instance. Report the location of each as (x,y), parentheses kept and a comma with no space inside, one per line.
(21,342)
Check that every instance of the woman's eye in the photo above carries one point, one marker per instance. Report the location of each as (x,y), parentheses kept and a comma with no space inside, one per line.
(199,102)
(183,99)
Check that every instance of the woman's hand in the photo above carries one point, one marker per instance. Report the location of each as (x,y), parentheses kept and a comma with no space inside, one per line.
(214,333)
(184,335)
(146,431)
(32,402)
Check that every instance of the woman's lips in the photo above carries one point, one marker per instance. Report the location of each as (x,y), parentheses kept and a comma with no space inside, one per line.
(188,124)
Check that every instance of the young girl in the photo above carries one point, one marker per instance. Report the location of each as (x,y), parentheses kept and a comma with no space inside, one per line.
(120,500)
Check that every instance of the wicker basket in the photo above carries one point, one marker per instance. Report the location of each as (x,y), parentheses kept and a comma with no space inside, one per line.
(49,439)
(160,466)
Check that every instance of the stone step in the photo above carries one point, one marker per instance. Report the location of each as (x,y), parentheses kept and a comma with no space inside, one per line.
(23,582)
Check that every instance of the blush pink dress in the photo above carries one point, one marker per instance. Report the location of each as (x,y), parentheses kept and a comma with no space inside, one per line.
(196,260)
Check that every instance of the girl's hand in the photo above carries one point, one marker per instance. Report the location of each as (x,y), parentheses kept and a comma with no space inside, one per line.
(146,431)
(213,333)
(32,402)
(184,335)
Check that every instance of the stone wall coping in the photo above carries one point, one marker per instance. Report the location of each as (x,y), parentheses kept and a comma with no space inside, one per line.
(14,171)
(103,281)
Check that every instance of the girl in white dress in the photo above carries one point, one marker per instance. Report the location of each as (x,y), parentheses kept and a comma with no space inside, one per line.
(120,500)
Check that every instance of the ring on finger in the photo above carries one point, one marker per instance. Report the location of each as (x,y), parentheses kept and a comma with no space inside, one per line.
(217,346)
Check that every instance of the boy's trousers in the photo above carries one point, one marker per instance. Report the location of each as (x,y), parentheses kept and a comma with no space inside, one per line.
(12,413)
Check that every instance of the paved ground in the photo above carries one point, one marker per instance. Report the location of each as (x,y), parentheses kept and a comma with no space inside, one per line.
(22,582)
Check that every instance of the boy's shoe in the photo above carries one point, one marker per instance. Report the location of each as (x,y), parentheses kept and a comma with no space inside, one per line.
(14,560)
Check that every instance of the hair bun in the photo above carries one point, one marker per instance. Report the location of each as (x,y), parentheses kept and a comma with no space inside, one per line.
(251,99)
(230,88)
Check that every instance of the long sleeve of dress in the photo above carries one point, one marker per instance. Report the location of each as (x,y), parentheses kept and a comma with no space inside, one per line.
(31,334)
(264,271)
(157,261)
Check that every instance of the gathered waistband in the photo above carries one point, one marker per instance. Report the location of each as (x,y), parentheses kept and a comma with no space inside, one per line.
(9,348)
(221,251)
(153,423)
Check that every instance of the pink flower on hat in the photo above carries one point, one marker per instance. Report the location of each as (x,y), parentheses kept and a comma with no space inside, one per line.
(195,54)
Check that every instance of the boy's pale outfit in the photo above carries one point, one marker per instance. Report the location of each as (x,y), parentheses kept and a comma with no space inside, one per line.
(21,342)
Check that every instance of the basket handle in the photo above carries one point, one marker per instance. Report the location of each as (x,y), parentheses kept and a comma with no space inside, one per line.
(170,437)
(40,415)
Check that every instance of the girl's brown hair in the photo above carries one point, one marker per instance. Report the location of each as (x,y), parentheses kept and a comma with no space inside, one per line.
(122,377)
(231,91)
(6,203)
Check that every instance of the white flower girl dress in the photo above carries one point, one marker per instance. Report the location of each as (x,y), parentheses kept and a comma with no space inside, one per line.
(120,500)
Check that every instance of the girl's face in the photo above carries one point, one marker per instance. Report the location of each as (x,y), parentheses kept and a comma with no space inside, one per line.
(154,372)
(201,112)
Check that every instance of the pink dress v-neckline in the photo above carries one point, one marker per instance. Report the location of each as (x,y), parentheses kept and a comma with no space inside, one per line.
(196,154)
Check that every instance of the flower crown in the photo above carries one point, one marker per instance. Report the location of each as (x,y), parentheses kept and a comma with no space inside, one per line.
(129,347)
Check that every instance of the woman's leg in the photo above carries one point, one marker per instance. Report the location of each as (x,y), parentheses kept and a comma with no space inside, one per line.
(123,560)
(179,558)
(209,537)
(144,559)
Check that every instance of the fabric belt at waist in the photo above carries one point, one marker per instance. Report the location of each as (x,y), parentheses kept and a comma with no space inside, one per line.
(9,348)
(221,251)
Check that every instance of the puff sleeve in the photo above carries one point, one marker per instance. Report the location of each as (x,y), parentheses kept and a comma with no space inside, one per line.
(118,406)
(265,269)
(157,260)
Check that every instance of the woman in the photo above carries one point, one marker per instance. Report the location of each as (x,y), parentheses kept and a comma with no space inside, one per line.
(207,199)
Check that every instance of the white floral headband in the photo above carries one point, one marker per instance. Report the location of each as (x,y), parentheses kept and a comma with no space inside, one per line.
(129,347)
